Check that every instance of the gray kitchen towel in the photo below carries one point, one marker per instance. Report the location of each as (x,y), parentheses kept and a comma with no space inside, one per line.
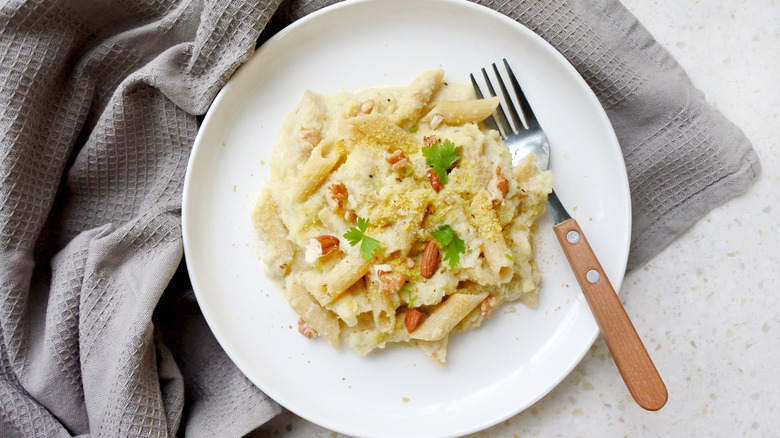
(99,103)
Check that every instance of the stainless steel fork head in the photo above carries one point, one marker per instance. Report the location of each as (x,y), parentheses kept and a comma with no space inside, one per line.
(522,135)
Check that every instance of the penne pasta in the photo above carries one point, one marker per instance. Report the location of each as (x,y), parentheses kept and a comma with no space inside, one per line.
(346,273)
(311,116)
(496,253)
(447,315)
(351,303)
(390,227)
(318,166)
(458,112)
(416,98)
(480,274)
(365,337)
(379,133)
(400,334)
(382,307)
(266,221)
(435,350)
(326,325)
(494,246)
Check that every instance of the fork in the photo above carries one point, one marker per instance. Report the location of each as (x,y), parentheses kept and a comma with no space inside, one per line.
(630,356)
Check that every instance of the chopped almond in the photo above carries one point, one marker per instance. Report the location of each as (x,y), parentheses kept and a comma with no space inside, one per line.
(337,195)
(434,179)
(309,136)
(398,160)
(436,120)
(431,140)
(365,107)
(320,246)
(488,307)
(498,187)
(305,329)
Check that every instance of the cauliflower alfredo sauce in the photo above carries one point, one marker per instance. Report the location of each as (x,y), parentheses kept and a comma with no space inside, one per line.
(394,216)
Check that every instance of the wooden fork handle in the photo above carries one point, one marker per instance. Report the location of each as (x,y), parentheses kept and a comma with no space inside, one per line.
(632,360)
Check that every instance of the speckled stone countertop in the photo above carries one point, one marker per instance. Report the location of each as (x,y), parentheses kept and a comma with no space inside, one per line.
(708,306)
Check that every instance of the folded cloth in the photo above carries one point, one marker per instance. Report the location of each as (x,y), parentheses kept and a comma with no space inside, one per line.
(99,105)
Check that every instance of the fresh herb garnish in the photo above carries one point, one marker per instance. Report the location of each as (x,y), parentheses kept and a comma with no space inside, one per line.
(410,170)
(453,246)
(368,245)
(441,157)
(414,129)
(509,256)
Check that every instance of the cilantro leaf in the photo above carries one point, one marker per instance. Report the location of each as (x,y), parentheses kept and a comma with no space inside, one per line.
(362,224)
(453,251)
(369,247)
(357,235)
(443,235)
(441,157)
(452,245)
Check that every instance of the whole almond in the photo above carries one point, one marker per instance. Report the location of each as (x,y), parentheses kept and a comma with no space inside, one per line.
(430,260)
(412,319)
(329,243)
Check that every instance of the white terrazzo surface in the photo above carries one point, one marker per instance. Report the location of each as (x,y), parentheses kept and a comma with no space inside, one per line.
(707,307)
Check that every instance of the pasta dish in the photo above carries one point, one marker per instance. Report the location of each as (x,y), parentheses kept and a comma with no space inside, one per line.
(394,216)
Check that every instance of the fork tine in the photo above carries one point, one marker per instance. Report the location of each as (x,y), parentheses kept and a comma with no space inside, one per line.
(525,107)
(508,100)
(490,121)
(502,120)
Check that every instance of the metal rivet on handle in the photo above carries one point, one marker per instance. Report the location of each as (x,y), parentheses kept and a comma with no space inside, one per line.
(593,276)
(572,237)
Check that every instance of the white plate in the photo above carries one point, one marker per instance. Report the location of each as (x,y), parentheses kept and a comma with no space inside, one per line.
(492,373)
